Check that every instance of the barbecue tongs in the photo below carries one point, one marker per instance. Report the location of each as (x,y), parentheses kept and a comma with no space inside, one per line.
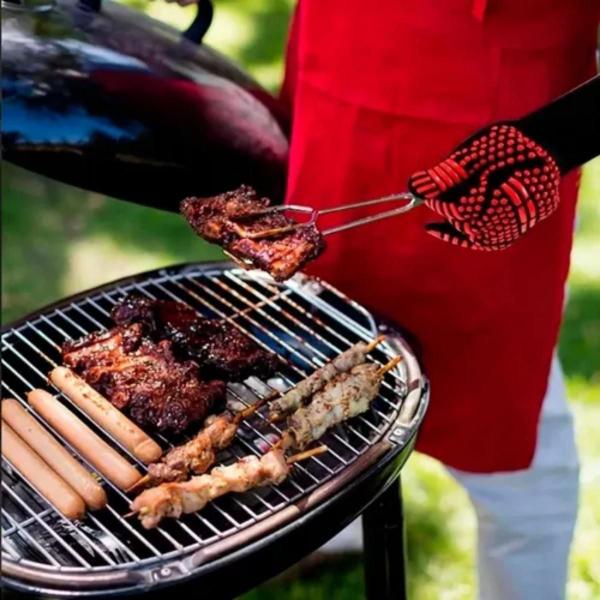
(409,201)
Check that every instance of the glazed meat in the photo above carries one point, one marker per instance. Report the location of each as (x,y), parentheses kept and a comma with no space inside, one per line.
(143,378)
(221,349)
(101,347)
(217,220)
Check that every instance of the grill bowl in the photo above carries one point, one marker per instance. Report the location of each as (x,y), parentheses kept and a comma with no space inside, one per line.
(254,534)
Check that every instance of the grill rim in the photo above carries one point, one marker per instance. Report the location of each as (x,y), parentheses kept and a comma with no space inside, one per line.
(398,436)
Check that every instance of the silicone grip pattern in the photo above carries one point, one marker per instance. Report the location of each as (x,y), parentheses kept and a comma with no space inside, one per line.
(491,190)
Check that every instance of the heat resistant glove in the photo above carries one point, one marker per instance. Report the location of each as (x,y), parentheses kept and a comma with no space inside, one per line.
(491,190)
(505,179)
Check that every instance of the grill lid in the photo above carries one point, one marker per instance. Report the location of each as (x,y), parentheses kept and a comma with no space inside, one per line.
(107,99)
(306,323)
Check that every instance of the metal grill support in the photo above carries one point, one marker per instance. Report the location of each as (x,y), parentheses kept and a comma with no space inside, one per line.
(384,538)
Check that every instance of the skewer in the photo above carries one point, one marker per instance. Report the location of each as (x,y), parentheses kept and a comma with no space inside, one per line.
(237,419)
(306,454)
(293,398)
(250,410)
(294,458)
(389,365)
(375,342)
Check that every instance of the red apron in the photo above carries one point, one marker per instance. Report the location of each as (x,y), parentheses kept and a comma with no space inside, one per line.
(382,89)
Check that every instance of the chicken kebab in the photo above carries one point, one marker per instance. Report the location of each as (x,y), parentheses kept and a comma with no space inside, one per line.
(199,454)
(217,220)
(163,364)
(175,499)
(343,397)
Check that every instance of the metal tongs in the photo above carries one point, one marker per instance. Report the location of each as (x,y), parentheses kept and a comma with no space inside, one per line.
(409,200)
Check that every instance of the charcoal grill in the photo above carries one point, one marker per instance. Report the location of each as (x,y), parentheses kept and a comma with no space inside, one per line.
(239,540)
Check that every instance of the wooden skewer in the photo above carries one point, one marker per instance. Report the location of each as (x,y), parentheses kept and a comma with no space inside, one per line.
(250,410)
(389,365)
(306,454)
(375,342)
(138,484)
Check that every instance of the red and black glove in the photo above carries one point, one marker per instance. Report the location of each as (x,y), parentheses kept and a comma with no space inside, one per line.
(491,190)
(503,180)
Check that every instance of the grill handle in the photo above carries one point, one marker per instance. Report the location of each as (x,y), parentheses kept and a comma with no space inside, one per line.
(204,15)
(194,33)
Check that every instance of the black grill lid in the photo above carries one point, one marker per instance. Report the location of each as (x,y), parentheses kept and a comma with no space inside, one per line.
(110,100)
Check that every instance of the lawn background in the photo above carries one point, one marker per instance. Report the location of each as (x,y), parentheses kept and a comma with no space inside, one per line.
(58,240)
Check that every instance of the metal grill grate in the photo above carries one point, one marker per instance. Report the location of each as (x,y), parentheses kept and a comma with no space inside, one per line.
(304,322)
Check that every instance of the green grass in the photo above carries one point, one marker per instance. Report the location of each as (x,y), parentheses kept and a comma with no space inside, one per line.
(58,240)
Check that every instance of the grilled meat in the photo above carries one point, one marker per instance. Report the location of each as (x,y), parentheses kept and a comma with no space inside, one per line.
(177,498)
(221,350)
(197,455)
(143,378)
(214,220)
(345,396)
(101,347)
(293,399)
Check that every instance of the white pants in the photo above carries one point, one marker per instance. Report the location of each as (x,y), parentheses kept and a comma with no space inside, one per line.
(525,518)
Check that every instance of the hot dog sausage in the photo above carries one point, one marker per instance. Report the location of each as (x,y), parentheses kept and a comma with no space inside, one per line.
(106,415)
(55,455)
(56,491)
(95,450)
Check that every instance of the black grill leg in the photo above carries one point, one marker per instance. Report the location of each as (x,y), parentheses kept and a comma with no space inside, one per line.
(384,547)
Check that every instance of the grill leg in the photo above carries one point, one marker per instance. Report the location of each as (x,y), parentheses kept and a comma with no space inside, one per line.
(384,547)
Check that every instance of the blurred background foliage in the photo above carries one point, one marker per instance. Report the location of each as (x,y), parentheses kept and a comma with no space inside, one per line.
(47,256)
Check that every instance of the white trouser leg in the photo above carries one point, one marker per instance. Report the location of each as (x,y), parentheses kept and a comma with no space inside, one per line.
(526,518)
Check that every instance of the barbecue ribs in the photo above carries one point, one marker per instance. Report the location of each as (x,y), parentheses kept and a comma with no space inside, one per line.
(143,378)
(221,350)
(213,219)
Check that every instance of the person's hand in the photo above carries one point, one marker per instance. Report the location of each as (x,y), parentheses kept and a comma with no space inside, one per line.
(491,190)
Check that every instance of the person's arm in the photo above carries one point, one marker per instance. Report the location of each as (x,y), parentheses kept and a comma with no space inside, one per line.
(504,179)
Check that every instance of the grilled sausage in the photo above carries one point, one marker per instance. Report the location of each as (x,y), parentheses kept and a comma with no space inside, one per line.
(55,455)
(29,464)
(110,418)
(95,450)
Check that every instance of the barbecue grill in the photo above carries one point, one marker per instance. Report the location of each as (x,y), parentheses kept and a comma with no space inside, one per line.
(241,539)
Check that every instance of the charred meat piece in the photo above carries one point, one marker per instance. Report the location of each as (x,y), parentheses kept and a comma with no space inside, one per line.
(143,378)
(101,347)
(221,350)
(215,220)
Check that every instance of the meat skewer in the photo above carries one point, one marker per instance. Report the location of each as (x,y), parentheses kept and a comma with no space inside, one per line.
(177,498)
(347,395)
(199,454)
(292,399)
